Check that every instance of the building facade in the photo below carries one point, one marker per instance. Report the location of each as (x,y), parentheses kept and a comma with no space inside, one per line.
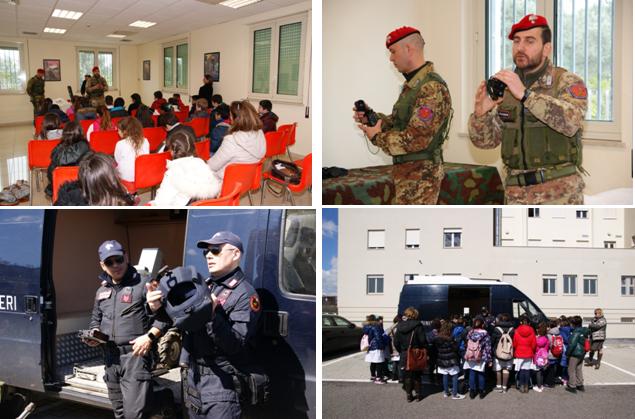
(564,273)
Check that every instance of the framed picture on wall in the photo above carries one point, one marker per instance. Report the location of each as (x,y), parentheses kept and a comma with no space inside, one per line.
(52,70)
(211,65)
(146,69)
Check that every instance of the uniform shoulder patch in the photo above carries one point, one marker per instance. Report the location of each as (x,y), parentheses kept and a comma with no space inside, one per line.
(578,90)
(425,113)
(254,303)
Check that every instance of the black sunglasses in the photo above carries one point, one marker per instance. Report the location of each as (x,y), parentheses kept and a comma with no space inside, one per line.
(113,260)
(214,251)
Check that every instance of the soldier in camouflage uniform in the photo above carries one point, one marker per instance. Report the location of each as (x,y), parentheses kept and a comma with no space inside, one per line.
(415,131)
(538,121)
(35,89)
(95,88)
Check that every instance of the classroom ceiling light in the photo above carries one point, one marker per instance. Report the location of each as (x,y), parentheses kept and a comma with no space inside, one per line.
(54,30)
(235,4)
(142,24)
(66,14)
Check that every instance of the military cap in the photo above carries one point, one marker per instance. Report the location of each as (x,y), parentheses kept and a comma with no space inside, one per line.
(222,237)
(399,34)
(40,71)
(95,68)
(528,22)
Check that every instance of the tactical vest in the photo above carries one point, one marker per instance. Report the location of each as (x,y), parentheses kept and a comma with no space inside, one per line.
(402,112)
(527,142)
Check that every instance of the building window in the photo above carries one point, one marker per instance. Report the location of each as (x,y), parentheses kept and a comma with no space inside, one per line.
(549,284)
(410,277)
(376,239)
(582,214)
(374,284)
(569,282)
(609,245)
(412,238)
(628,285)
(584,42)
(451,237)
(175,65)
(533,212)
(12,68)
(590,284)
(101,57)
(277,59)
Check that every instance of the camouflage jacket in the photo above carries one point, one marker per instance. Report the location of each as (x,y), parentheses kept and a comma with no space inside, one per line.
(432,106)
(92,87)
(562,113)
(35,87)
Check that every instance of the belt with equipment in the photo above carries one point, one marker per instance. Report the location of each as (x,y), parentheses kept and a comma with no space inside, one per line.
(539,176)
(420,155)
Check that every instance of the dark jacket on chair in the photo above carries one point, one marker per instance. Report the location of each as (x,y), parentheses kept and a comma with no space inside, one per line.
(63,155)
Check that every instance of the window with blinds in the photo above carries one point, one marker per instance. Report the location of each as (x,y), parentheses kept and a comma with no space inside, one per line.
(261,61)
(168,79)
(181,66)
(175,65)
(277,59)
(12,73)
(376,239)
(412,238)
(104,59)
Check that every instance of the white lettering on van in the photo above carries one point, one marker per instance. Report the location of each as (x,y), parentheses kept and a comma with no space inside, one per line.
(8,303)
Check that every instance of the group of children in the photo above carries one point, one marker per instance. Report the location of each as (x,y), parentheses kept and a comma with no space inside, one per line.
(539,356)
(236,134)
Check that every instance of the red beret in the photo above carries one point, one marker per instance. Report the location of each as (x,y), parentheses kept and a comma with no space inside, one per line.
(95,68)
(528,22)
(399,34)
(40,70)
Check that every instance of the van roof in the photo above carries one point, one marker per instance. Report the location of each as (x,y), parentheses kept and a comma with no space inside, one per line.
(453,280)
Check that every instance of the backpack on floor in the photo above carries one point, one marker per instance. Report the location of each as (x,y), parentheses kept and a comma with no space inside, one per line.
(557,346)
(473,352)
(505,347)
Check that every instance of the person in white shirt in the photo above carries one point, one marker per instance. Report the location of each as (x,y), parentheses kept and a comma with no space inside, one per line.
(133,144)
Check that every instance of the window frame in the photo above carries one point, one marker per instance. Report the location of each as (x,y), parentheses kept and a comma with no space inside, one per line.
(589,278)
(582,214)
(376,277)
(368,247)
(305,45)
(96,51)
(173,87)
(533,212)
(564,284)
(453,232)
(550,277)
(412,246)
(623,278)
(22,74)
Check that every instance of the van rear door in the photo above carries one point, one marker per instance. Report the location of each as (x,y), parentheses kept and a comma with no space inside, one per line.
(24,255)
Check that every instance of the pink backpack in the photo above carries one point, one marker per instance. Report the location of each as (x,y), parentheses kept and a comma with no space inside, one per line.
(473,351)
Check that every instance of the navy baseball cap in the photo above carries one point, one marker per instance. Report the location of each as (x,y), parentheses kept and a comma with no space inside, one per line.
(110,248)
(222,237)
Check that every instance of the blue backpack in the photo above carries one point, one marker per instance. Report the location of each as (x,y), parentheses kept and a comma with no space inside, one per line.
(457,334)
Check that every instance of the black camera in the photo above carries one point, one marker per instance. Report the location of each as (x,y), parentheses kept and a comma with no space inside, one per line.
(495,88)
(369,114)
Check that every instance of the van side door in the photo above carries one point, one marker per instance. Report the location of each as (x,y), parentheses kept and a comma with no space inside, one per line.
(22,265)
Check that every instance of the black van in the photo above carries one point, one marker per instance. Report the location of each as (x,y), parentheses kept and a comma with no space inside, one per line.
(48,278)
(441,297)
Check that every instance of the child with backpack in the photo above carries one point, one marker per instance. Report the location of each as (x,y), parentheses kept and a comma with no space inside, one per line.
(375,351)
(556,349)
(448,360)
(541,357)
(502,341)
(524,349)
(478,354)
(565,332)
(575,354)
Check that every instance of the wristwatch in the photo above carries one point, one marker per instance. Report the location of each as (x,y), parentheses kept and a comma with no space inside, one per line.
(152,337)
(525,96)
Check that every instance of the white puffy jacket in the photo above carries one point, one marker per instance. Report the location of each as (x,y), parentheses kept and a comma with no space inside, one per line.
(185,179)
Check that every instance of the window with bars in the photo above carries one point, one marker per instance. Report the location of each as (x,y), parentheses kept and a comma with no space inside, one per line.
(12,68)
(374,284)
(175,65)
(277,54)
(104,59)
(590,284)
(583,40)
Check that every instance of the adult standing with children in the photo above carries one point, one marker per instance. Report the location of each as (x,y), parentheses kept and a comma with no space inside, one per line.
(410,334)
(597,327)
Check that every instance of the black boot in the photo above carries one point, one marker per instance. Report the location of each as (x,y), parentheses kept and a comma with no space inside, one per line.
(472,394)
(417,387)
(481,394)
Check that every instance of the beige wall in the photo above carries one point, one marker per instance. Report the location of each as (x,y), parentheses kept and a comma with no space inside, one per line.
(477,258)
(356,65)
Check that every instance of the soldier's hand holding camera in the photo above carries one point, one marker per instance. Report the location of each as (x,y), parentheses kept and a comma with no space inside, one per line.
(511,79)
(483,103)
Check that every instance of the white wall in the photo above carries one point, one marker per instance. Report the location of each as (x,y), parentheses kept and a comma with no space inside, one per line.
(232,40)
(356,65)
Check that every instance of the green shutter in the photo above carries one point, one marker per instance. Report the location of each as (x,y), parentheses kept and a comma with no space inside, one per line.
(289,58)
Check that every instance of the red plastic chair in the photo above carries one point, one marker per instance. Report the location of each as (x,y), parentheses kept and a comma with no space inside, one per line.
(202,149)
(133,112)
(148,172)
(104,142)
(289,135)
(275,143)
(115,121)
(155,137)
(182,114)
(231,199)
(38,124)
(247,174)
(306,164)
(85,123)
(200,126)
(39,158)
(61,175)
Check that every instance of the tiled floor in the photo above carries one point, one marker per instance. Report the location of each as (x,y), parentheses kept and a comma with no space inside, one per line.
(14,166)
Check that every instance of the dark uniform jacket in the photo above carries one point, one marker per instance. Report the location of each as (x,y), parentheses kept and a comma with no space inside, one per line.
(120,310)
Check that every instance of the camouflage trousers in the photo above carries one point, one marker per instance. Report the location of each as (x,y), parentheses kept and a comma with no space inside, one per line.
(37,102)
(567,190)
(417,182)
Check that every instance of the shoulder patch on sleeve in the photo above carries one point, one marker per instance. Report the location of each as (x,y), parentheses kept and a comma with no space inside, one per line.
(425,113)
(578,90)
(254,303)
